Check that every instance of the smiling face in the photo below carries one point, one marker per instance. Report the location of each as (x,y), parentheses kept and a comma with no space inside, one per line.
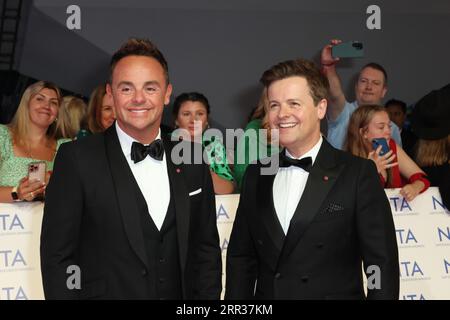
(192,116)
(293,113)
(370,87)
(43,108)
(139,92)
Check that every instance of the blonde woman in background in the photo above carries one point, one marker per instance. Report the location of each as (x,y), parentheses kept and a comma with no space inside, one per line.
(71,117)
(28,138)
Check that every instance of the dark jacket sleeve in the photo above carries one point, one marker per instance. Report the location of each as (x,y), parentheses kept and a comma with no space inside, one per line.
(376,233)
(207,257)
(61,226)
(241,254)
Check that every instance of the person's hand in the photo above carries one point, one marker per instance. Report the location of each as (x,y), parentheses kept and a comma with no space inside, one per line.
(382,162)
(326,58)
(28,190)
(410,191)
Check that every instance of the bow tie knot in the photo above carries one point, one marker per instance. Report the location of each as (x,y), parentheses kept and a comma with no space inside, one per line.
(140,151)
(304,163)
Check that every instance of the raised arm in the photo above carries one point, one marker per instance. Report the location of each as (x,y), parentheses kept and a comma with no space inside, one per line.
(336,94)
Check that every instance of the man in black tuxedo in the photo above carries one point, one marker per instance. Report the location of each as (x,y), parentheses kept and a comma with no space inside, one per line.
(307,230)
(137,225)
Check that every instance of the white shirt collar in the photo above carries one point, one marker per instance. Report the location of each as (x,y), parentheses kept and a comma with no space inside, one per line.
(311,153)
(126,141)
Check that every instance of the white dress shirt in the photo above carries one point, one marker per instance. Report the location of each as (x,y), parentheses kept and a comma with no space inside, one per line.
(289,185)
(151,176)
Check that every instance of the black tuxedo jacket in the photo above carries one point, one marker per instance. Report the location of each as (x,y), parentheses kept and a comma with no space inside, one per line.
(91,219)
(343,219)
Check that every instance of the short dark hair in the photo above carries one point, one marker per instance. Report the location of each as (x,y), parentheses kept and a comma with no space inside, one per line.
(400,103)
(139,47)
(317,82)
(378,67)
(189,96)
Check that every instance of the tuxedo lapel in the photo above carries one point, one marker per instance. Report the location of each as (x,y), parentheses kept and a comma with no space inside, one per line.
(125,186)
(322,177)
(181,201)
(267,209)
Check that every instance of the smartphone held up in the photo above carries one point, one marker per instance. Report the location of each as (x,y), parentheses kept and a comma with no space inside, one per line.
(37,172)
(352,49)
(381,142)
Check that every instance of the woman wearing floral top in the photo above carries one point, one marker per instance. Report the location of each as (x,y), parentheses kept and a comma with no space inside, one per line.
(29,138)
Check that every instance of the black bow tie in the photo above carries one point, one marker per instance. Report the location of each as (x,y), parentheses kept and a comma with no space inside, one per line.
(304,163)
(154,149)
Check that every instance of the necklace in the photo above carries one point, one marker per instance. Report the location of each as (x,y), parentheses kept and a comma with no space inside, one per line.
(44,146)
(29,154)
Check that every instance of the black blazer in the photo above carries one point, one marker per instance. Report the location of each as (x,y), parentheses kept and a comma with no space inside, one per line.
(91,219)
(343,219)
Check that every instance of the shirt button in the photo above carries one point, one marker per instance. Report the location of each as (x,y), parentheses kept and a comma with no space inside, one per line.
(260,242)
(162,260)
(277,275)
(305,279)
(161,280)
(144,272)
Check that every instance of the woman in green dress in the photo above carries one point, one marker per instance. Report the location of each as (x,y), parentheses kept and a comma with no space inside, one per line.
(191,111)
(30,137)
(253,144)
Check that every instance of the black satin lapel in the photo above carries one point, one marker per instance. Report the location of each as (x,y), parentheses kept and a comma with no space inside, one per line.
(267,209)
(181,200)
(125,186)
(321,180)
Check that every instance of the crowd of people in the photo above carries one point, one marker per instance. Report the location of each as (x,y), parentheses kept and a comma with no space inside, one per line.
(119,162)
(75,119)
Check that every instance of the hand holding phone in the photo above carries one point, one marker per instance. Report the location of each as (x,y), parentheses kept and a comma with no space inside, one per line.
(352,49)
(381,142)
(37,172)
